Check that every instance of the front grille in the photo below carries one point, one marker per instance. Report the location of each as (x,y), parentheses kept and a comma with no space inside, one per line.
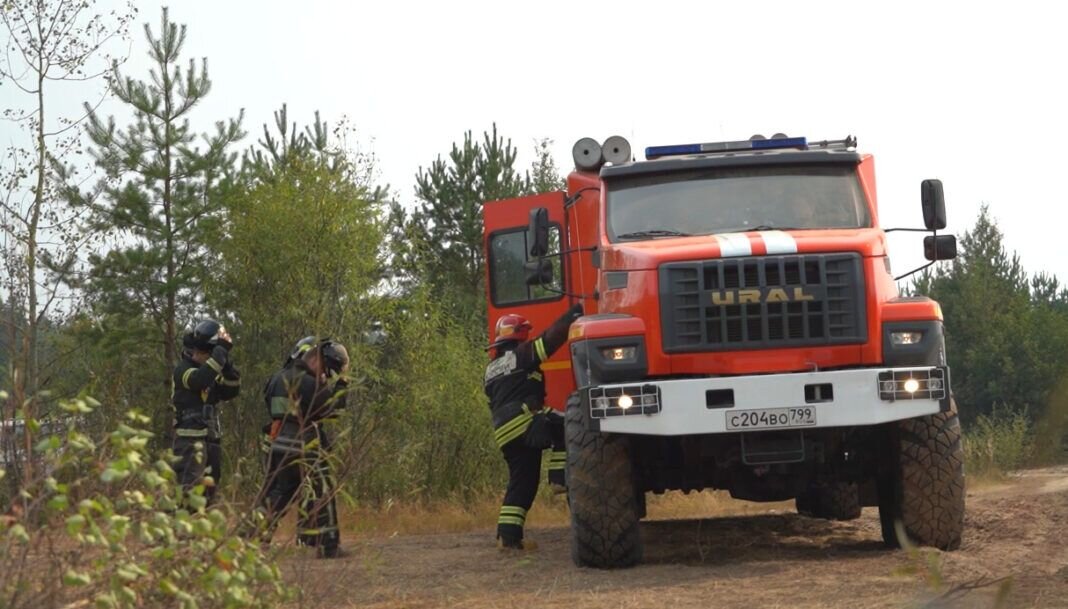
(763,302)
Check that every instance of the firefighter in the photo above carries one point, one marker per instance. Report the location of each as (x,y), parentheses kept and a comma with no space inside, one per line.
(276,409)
(521,424)
(300,397)
(204,377)
(275,412)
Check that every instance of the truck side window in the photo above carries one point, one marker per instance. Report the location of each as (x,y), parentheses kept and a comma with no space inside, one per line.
(508,253)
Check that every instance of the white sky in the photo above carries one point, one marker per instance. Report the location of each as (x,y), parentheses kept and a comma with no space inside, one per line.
(972,93)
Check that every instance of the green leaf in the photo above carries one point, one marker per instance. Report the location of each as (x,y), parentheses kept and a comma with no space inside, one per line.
(167,587)
(88,505)
(75,524)
(113,475)
(73,578)
(18,533)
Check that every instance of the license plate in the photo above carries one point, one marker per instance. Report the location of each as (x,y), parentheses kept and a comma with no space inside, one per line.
(772,418)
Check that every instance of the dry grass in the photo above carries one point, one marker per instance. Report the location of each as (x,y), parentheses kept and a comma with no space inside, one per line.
(458,516)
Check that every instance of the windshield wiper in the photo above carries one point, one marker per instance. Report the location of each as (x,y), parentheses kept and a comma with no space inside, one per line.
(745,229)
(655,232)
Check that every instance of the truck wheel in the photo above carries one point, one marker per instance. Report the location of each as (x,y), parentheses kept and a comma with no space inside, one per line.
(924,486)
(605,505)
(831,500)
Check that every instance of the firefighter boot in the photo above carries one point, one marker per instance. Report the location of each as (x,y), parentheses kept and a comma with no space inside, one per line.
(522,545)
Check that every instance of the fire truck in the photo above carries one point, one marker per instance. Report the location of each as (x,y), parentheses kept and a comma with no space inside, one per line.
(742,331)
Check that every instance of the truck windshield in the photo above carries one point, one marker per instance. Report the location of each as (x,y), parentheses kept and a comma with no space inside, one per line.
(735,199)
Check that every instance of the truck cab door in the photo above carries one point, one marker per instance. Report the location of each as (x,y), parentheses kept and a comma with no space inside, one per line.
(506,242)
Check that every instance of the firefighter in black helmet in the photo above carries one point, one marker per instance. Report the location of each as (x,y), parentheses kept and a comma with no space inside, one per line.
(204,376)
(275,411)
(521,423)
(301,396)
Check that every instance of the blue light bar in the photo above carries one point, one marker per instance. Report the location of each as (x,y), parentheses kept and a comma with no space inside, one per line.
(786,142)
(653,152)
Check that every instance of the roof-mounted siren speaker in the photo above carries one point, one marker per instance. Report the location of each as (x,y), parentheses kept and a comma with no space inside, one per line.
(587,154)
(616,150)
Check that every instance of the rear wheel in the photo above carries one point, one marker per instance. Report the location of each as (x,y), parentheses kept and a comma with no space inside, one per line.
(923,489)
(602,495)
(830,500)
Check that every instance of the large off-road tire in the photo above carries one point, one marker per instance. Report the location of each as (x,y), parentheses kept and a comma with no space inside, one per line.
(830,500)
(603,498)
(923,488)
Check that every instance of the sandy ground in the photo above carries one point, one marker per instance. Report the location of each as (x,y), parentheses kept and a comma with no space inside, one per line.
(1015,553)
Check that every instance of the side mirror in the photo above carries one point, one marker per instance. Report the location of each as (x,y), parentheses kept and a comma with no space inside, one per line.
(934,204)
(941,247)
(539,232)
(539,272)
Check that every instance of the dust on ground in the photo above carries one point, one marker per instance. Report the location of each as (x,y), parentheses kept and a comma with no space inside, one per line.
(1015,552)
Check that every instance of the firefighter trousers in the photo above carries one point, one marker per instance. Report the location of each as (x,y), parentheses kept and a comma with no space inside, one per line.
(198,456)
(557,454)
(524,472)
(300,475)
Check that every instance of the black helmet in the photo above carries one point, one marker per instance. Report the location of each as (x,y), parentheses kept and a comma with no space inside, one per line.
(204,336)
(335,356)
(303,346)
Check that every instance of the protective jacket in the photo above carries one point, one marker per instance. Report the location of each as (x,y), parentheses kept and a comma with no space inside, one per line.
(299,401)
(198,388)
(514,383)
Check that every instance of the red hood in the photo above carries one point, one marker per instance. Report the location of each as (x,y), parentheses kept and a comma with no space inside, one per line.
(648,255)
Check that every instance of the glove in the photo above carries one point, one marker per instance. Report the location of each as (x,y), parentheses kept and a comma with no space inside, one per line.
(222,339)
(538,434)
(575,311)
(220,354)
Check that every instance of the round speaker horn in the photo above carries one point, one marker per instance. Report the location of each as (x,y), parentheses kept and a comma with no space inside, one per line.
(616,150)
(587,154)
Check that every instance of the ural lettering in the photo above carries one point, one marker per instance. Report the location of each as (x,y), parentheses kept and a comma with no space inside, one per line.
(730,297)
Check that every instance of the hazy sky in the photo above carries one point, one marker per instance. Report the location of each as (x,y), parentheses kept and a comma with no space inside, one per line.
(971,93)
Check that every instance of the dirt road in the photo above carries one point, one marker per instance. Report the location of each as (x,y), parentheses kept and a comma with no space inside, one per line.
(1014,530)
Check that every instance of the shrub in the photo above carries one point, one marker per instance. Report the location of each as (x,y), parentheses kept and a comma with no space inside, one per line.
(107,525)
(999,442)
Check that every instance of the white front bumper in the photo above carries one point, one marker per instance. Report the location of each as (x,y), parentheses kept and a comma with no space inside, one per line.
(684,411)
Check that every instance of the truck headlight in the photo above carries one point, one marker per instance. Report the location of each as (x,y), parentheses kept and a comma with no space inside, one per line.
(912,384)
(900,339)
(624,400)
(620,354)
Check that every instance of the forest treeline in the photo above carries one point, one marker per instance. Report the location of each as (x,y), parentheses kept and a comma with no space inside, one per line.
(120,231)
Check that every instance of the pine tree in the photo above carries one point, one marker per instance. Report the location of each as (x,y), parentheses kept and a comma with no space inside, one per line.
(440,243)
(159,196)
(544,174)
(997,354)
